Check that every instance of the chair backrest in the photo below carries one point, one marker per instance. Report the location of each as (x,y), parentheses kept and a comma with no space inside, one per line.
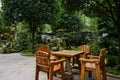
(86,50)
(102,55)
(44,48)
(43,60)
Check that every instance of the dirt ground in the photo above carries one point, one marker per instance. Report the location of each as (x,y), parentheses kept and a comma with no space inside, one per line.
(16,67)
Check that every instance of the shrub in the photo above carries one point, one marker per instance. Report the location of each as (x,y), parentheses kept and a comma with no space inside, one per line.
(112,60)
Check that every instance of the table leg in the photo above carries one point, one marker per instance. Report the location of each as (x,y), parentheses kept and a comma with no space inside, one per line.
(78,62)
(68,67)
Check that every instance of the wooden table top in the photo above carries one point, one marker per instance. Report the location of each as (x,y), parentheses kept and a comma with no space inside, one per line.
(66,53)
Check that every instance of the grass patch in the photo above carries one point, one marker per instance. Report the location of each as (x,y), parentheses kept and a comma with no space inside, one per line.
(27,54)
(75,48)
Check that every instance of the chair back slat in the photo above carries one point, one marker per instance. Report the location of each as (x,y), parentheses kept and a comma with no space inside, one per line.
(44,48)
(86,49)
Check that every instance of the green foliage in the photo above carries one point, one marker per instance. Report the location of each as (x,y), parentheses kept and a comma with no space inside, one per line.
(69,23)
(13,50)
(112,60)
(22,38)
(108,36)
(24,41)
(89,7)
(94,48)
(34,12)
(38,11)
(93,40)
(1,20)
(59,10)
(67,39)
(113,70)
(106,10)
(55,44)
(7,34)
(27,53)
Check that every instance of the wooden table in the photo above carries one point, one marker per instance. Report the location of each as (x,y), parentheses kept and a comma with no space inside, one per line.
(67,54)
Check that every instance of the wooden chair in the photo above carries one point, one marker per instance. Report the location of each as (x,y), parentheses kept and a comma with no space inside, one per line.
(44,64)
(94,63)
(86,50)
(46,49)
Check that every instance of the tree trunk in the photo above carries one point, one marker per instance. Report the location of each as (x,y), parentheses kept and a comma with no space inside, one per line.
(33,34)
(118,28)
(32,29)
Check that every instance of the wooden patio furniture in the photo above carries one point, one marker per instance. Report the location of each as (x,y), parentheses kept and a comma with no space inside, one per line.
(44,64)
(46,49)
(94,63)
(86,49)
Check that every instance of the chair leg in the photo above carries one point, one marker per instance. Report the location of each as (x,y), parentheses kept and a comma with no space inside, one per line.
(37,73)
(82,71)
(62,71)
(48,75)
(73,61)
(104,72)
(63,74)
(98,72)
(51,73)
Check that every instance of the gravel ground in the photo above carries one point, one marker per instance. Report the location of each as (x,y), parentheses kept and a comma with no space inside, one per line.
(16,67)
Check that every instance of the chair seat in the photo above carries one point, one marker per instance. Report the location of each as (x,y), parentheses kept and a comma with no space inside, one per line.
(90,65)
(56,68)
(52,57)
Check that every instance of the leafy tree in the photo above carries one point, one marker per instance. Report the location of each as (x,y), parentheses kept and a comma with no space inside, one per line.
(0,19)
(109,9)
(69,23)
(34,12)
(0,26)
(60,9)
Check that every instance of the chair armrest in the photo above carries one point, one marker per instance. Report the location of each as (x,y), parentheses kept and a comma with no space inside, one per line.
(93,57)
(89,60)
(52,58)
(58,61)
(85,55)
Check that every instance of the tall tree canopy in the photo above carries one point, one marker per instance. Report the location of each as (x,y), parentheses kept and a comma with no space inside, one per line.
(34,12)
(39,11)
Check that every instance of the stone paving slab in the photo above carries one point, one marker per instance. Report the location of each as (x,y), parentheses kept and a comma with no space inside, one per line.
(16,67)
